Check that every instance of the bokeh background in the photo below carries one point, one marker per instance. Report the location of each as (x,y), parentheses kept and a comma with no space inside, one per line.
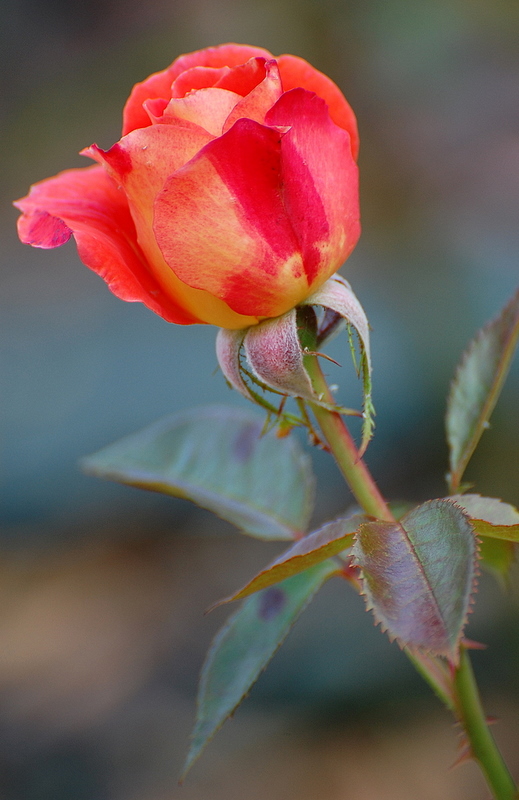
(103,588)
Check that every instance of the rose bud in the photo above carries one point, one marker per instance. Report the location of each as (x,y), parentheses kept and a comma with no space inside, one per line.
(231,197)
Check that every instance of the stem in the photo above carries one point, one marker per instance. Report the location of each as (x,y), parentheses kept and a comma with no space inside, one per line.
(483,747)
(343,447)
(459,692)
(436,674)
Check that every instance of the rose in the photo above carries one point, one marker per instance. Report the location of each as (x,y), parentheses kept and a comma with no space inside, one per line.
(231,196)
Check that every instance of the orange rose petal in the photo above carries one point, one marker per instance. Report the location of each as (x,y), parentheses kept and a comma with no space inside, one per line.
(159,84)
(141,162)
(208,108)
(320,183)
(296,72)
(197,78)
(156,86)
(244,78)
(221,224)
(89,204)
(154,108)
(256,104)
(225,55)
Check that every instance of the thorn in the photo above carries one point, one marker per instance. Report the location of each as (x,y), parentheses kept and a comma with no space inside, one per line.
(322,355)
(470,644)
(464,755)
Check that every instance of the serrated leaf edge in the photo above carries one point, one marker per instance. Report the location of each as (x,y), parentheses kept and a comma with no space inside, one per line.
(457,471)
(470,601)
(190,761)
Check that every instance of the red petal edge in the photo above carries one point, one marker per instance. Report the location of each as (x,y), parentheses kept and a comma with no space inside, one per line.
(297,73)
(159,84)
(87,204)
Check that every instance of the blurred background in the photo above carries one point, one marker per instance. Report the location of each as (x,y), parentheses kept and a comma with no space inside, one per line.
(103,588)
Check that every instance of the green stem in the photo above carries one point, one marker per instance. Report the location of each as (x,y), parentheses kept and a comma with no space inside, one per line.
(483,747)
(343,447)
(459,693)
(435,672)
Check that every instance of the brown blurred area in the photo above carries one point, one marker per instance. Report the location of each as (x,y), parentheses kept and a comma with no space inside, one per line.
(103,589)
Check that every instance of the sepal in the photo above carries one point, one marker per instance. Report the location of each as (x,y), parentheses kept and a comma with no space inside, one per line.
(336,296)
(270,356)
(228,347)
(275,355)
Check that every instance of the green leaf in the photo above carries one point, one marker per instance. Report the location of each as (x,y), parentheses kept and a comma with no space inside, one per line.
(497,556)
(509,533)
(490,516)
(477,385)
(217,457)
(331,539)
(245,645)
(419,575)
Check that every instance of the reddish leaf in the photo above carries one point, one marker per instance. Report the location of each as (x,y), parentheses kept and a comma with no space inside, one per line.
(319,545)
(419,575)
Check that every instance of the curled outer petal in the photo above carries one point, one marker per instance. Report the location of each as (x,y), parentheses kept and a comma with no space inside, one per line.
(86,203)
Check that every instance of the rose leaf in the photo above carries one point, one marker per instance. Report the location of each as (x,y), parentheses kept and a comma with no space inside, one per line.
(244,647)
(217,457)
(327,541)
(476,387)
(490,516)
(419,576)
